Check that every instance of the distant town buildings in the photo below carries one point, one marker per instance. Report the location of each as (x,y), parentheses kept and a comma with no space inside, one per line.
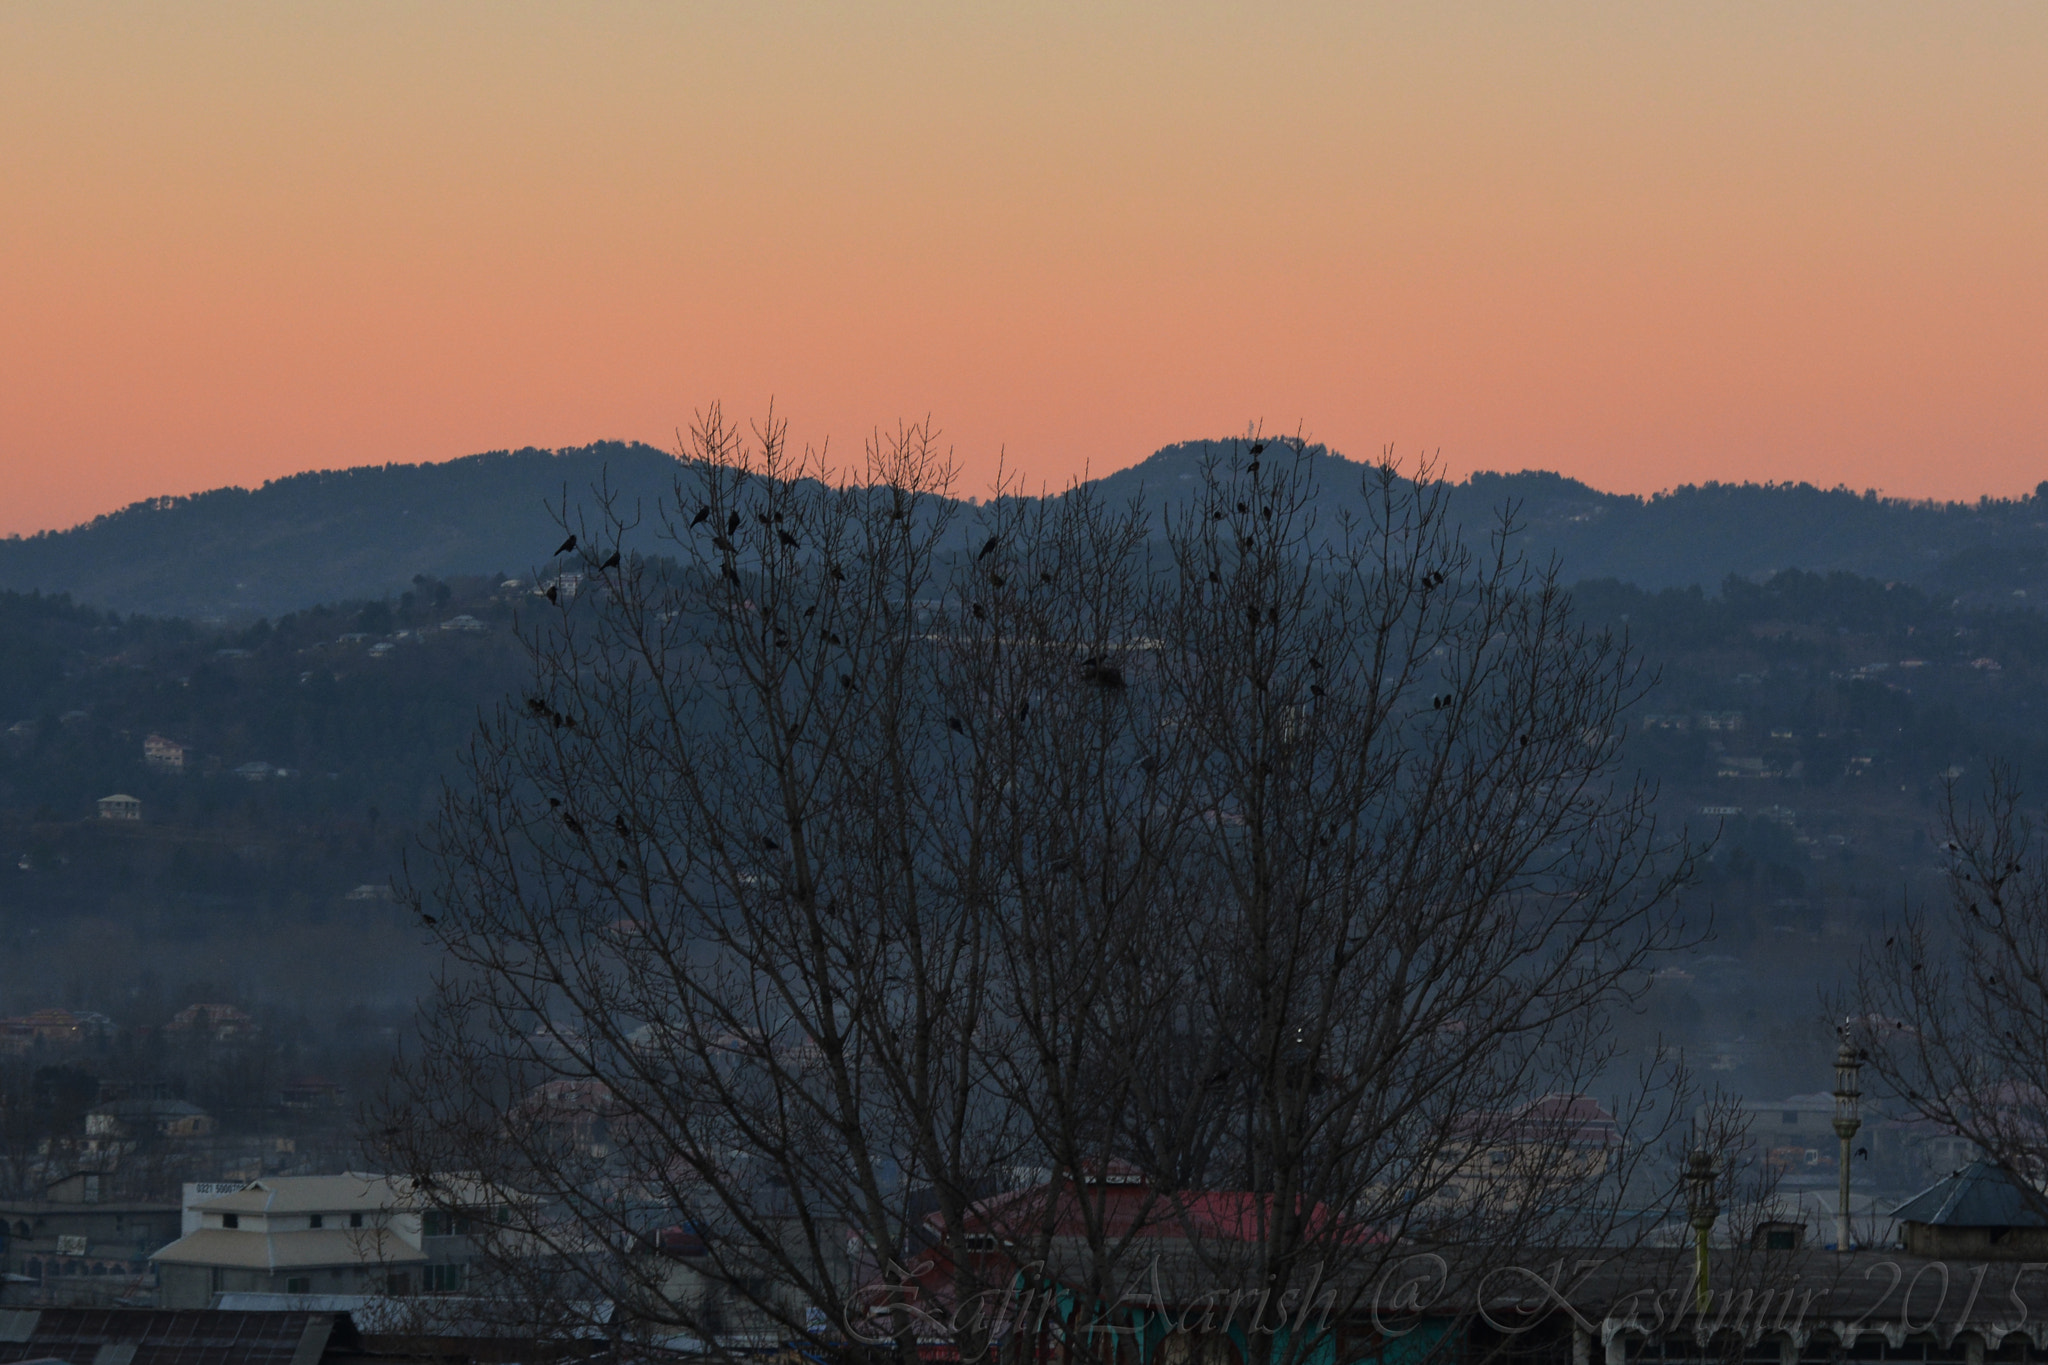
(165,755)
(214,1022)
(120,806)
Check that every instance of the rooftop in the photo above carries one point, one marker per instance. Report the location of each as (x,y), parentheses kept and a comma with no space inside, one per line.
(1981,1195)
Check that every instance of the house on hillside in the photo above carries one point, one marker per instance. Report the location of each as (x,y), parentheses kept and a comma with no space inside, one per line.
(324,1234)
(120,806)
(52,1028)
(215,1022)
(165,755)
(119,1124)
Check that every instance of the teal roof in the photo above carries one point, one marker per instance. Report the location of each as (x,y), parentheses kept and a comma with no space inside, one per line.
(1981,1195)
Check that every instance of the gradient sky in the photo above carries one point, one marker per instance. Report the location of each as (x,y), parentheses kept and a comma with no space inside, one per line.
(1641,244)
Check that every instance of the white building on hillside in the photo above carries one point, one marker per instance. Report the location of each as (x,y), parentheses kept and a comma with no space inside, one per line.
(313,1234)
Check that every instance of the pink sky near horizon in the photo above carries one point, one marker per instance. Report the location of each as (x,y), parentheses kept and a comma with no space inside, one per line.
(1640,245)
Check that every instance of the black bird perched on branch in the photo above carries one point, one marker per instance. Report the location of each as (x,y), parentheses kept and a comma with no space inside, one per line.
(1258,447)
(953,724)
(990,548)
(550,594)
(537,706)
(575,825)
(787,539)
(610,563)
(732,523)
(619,824)
(703,515)
(721,543)
(566,546)
(770,845)
(980,614)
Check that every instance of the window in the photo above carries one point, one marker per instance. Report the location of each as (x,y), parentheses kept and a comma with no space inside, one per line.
(231,1220)
(433,1223)
(316,1220)
(355,1220)
(299,1284)
(1781,1239)
(442,1279)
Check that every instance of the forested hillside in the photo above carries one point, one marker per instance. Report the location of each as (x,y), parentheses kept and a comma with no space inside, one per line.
(1806,725)
(234,555)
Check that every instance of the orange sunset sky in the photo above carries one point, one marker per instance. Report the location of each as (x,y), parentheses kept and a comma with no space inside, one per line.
(1644,244)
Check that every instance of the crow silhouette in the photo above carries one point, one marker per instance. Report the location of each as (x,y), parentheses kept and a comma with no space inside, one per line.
(537,706)
(838,574)
(1252,468)
(551,592)
(1215,577)
(610,563)
(953,724)
(1315,689)
(1045,576)
(619,824)
(575,825)
(996,580)
(1258,447)
(721,543)
(770,845)
(732,523)
(731,574)
(1102,674)
(763,518)
(566,546)
(1243,508)
(623,867)
(703,515)
(787,539)
(980,614)
(1314,662)
(427,919)
(1023,709)
(990,548)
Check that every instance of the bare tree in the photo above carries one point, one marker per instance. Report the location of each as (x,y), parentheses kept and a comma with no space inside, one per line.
(1951,1009)
(884,897)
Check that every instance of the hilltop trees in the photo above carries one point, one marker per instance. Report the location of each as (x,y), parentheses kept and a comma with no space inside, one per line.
(884,894)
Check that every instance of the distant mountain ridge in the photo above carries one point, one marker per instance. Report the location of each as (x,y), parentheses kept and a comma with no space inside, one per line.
(365,532)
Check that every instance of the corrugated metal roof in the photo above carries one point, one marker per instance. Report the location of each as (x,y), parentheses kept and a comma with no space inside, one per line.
(301,1250)
(1981,1195)
(189,1336)
(308,1194)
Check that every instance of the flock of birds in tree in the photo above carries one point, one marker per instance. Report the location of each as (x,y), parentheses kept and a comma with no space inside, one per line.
(1094,670)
